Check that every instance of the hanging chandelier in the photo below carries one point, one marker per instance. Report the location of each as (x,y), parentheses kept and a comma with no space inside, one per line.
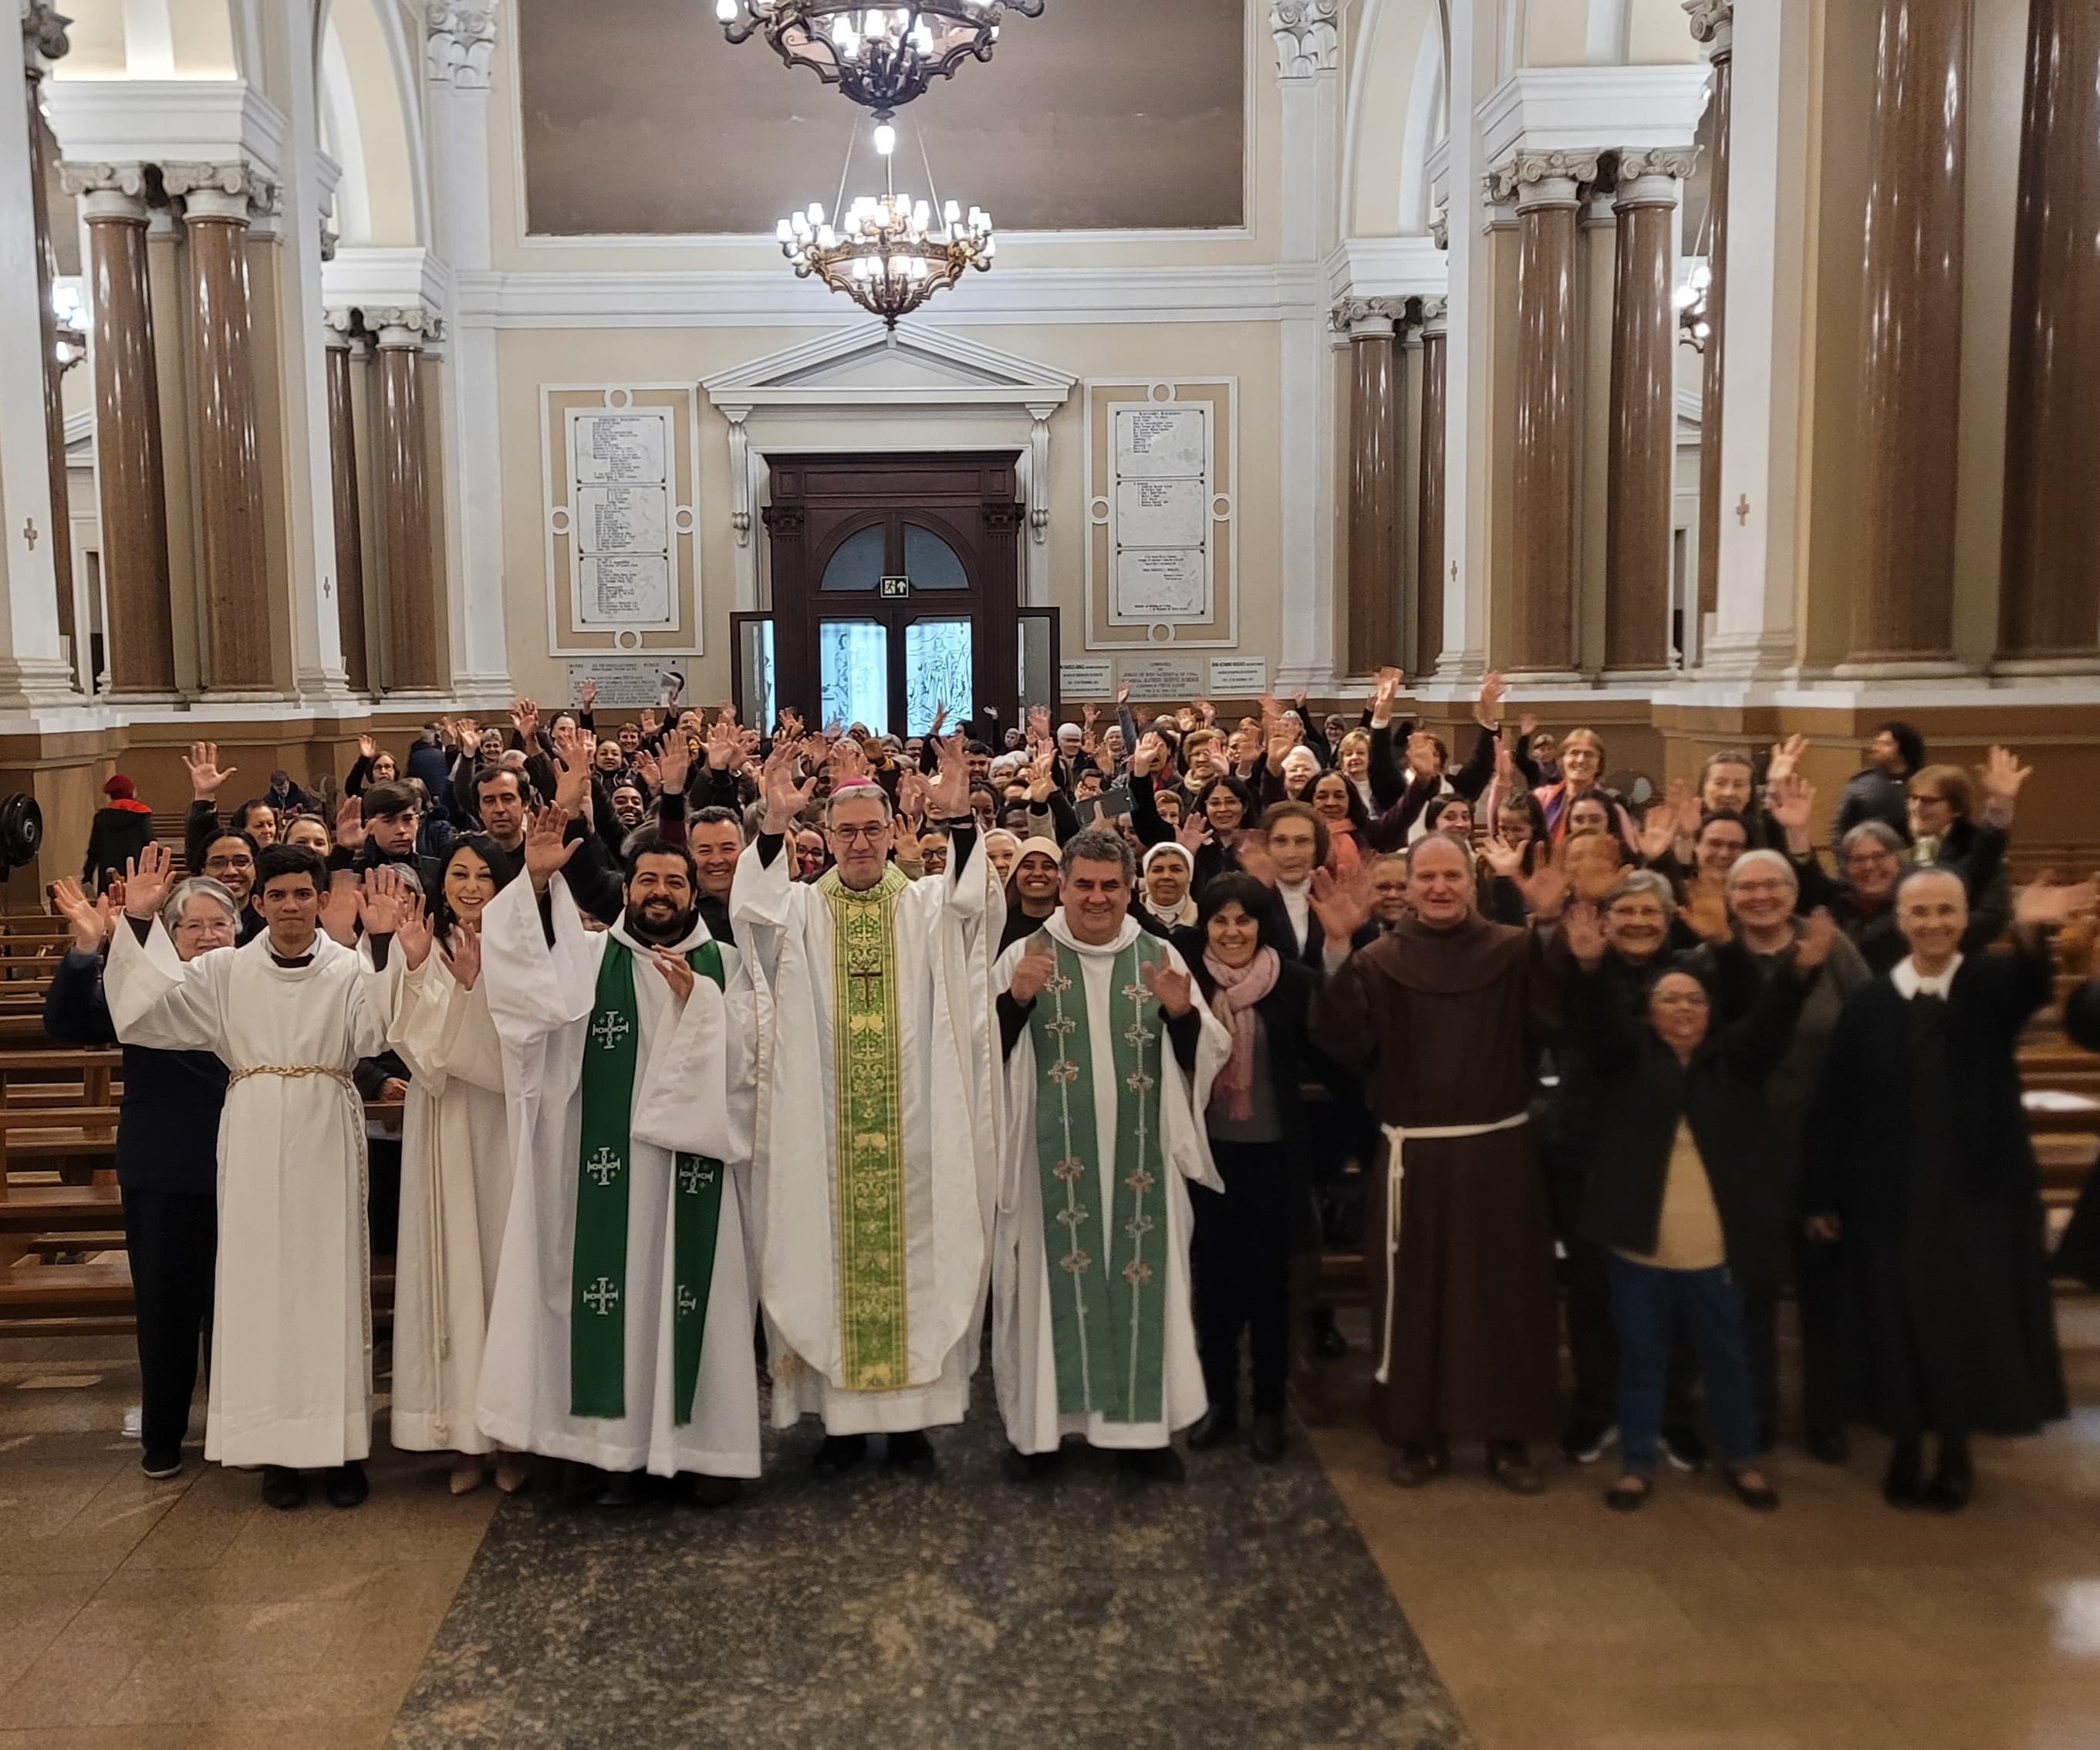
(1693,330)
(879,56)
(886,252)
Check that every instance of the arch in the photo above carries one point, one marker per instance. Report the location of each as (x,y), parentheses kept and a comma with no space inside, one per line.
(371,124)
(1396,68)
(342,139)
(1427,125)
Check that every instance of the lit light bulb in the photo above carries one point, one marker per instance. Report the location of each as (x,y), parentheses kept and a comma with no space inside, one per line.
(725,11)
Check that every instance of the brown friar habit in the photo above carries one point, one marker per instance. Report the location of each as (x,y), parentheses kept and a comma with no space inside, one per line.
(1439,1023)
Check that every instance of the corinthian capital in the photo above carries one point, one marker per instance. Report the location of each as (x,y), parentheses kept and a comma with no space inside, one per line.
(1367,315)
(1676,162)
(1440,228)
(1712,21)
(461,39)
(1309,36)
(80,179)
(233,190)
(1529,178)
(43,34)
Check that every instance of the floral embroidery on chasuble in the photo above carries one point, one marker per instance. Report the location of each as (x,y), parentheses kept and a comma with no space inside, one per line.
(874,1350)
(1108,1269)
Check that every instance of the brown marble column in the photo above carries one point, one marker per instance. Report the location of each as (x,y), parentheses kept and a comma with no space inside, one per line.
(2049,607)
(1638,488)
(44,41)
(1714,24)
(1910,375)
(127,431)
(413,653)
(1429,571)
(1373,640)
(227,464)
(1547,188)
(348,528)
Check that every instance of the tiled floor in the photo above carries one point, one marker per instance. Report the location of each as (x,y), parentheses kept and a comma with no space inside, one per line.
(183,1615)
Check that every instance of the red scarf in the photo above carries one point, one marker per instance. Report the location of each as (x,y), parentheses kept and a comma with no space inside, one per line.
(1239,989)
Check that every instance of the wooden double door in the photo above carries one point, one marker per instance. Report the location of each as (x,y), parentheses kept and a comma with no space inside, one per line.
(895,591)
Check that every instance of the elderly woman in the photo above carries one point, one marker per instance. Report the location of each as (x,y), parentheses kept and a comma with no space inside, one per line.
(1682,1190)
(1170,873)
(1763,896)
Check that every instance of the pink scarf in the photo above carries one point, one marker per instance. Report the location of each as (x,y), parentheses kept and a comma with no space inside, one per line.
(1239,989)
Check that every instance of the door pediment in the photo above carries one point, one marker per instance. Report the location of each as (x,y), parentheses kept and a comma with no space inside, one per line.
(869,365)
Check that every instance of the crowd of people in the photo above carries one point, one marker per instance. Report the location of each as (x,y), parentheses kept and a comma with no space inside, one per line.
(846,1047)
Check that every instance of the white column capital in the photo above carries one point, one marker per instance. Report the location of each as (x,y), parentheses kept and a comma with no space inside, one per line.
(1713,22)
(236,190)
(1368,318)
(1540,178)
(461,42)
(1440,228)
(107,191)
(406,326)
(1309,36)
(1650,178)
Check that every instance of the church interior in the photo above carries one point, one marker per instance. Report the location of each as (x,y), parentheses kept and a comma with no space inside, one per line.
(1713,374)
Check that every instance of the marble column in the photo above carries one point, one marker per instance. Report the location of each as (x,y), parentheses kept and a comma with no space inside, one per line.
(1642,457)
(1714,24)
(218,199)
(2048,606)
(43,42)
(130,463)
(1429,521)
(1546,191)
(348,528)
(414,656)
(1373,607)
(1910,375)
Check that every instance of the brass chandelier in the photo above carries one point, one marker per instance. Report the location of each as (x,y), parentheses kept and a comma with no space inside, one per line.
(879,56)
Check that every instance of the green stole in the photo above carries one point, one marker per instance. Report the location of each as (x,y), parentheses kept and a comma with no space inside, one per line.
(598,1318)
(1108,1307)
(874,1350)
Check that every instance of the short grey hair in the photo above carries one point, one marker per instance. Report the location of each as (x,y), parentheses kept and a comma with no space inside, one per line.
(1636,883)
(860,790)
(198,888)
(1764,860)
(1099,844)
(1880,832)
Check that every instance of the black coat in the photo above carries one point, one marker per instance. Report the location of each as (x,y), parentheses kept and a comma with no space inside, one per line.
(1645,1092)
(1292,1058)
(116,835)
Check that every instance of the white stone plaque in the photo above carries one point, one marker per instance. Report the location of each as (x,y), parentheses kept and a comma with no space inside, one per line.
(612,448)
(1084,680)
(623,519)
(625,683)
(1162,583)
(1162,513)
(1163,679)
(622,590)
(1239,677)
(1161,443)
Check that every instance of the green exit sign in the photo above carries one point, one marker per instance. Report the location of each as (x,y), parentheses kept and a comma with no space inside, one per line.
(893,586)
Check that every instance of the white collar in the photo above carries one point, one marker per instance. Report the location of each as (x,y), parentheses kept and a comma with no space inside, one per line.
(1911,982)
(698,935)
(1061,931)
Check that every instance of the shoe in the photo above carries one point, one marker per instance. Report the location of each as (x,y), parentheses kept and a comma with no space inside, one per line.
(1759,1497)
(708,1493)
(620,1489)
(159,1466)
(1954,1482)
(1265,1441)
(1030,1467)
(1684,1449)
(1218,1426)
(1328,1342)
(1509,1463)
(1828,1446)
(1902,1486)
(283,1487)
(1152,1464)
(838,1454)
(1587,1440)
(1629,1494)
(511,1474)
(469,1473)
(345,1486)
(909,1452)
(1412,1466)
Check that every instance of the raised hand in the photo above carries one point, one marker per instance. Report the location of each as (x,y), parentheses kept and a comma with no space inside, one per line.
(1582,929)
(1205,709)
(1506,771)
(525,715)
(1791,802)
(1194,834)
(677,973)
(390,904)
(462,952)
(722,743)
(147,877)
(1488,708)
(1043,775)
(1123,694)
(1705,912)
(674,763)
(1505,858)
(1544,890)
(589,696)
(572,777)
(785,799)
(951,796)
(2045,904)
(940,719)
(1031,972)
(1422,758)
(2003,775)
(1690,811)
(1149,756)
(1385,696)
(367,748)
(341,906)
(915,795)
(90,918)
(650,724)
(1658,832)
(1282,736)
(1819,935)
(646,769)
(206,775)
(548,848)
(848,762)
(350,823)
(1039,725)
(1343,907)
(1170,987)
(1785,757)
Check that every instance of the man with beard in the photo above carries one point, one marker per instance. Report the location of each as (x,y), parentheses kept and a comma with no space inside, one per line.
(620,1336)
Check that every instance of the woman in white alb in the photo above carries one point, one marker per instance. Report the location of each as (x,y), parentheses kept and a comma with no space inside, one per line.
(457,1163)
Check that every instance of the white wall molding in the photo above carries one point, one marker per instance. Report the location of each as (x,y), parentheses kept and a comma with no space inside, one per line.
(1589,108)
(376,279)
(132,120)
(1389,267)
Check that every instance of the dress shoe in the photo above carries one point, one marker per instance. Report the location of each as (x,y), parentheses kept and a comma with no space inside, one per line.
(1509,1463)
(1902,1484)
(283,1487)
(469,1472)
(1265,1439)
(710,1492)
(838,1454)
(1030,1467)
(511,1473)
(345,1486)
(1219,1425)
(909,1452)
(621,1489)
(1954,1482)
(1152,1464)
(1412,1466)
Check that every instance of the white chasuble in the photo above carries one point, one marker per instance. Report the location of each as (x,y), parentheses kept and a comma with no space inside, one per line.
(291,1348)
(874,1299)
(456,1166)
(692,1095)
(1025,1262)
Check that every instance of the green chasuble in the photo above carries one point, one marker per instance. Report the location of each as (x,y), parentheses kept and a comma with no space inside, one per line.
(597,1319)
(875,1351)
(1107,1286)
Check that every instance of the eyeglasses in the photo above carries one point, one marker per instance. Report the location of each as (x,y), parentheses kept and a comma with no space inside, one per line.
(861,835)
(199,926)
